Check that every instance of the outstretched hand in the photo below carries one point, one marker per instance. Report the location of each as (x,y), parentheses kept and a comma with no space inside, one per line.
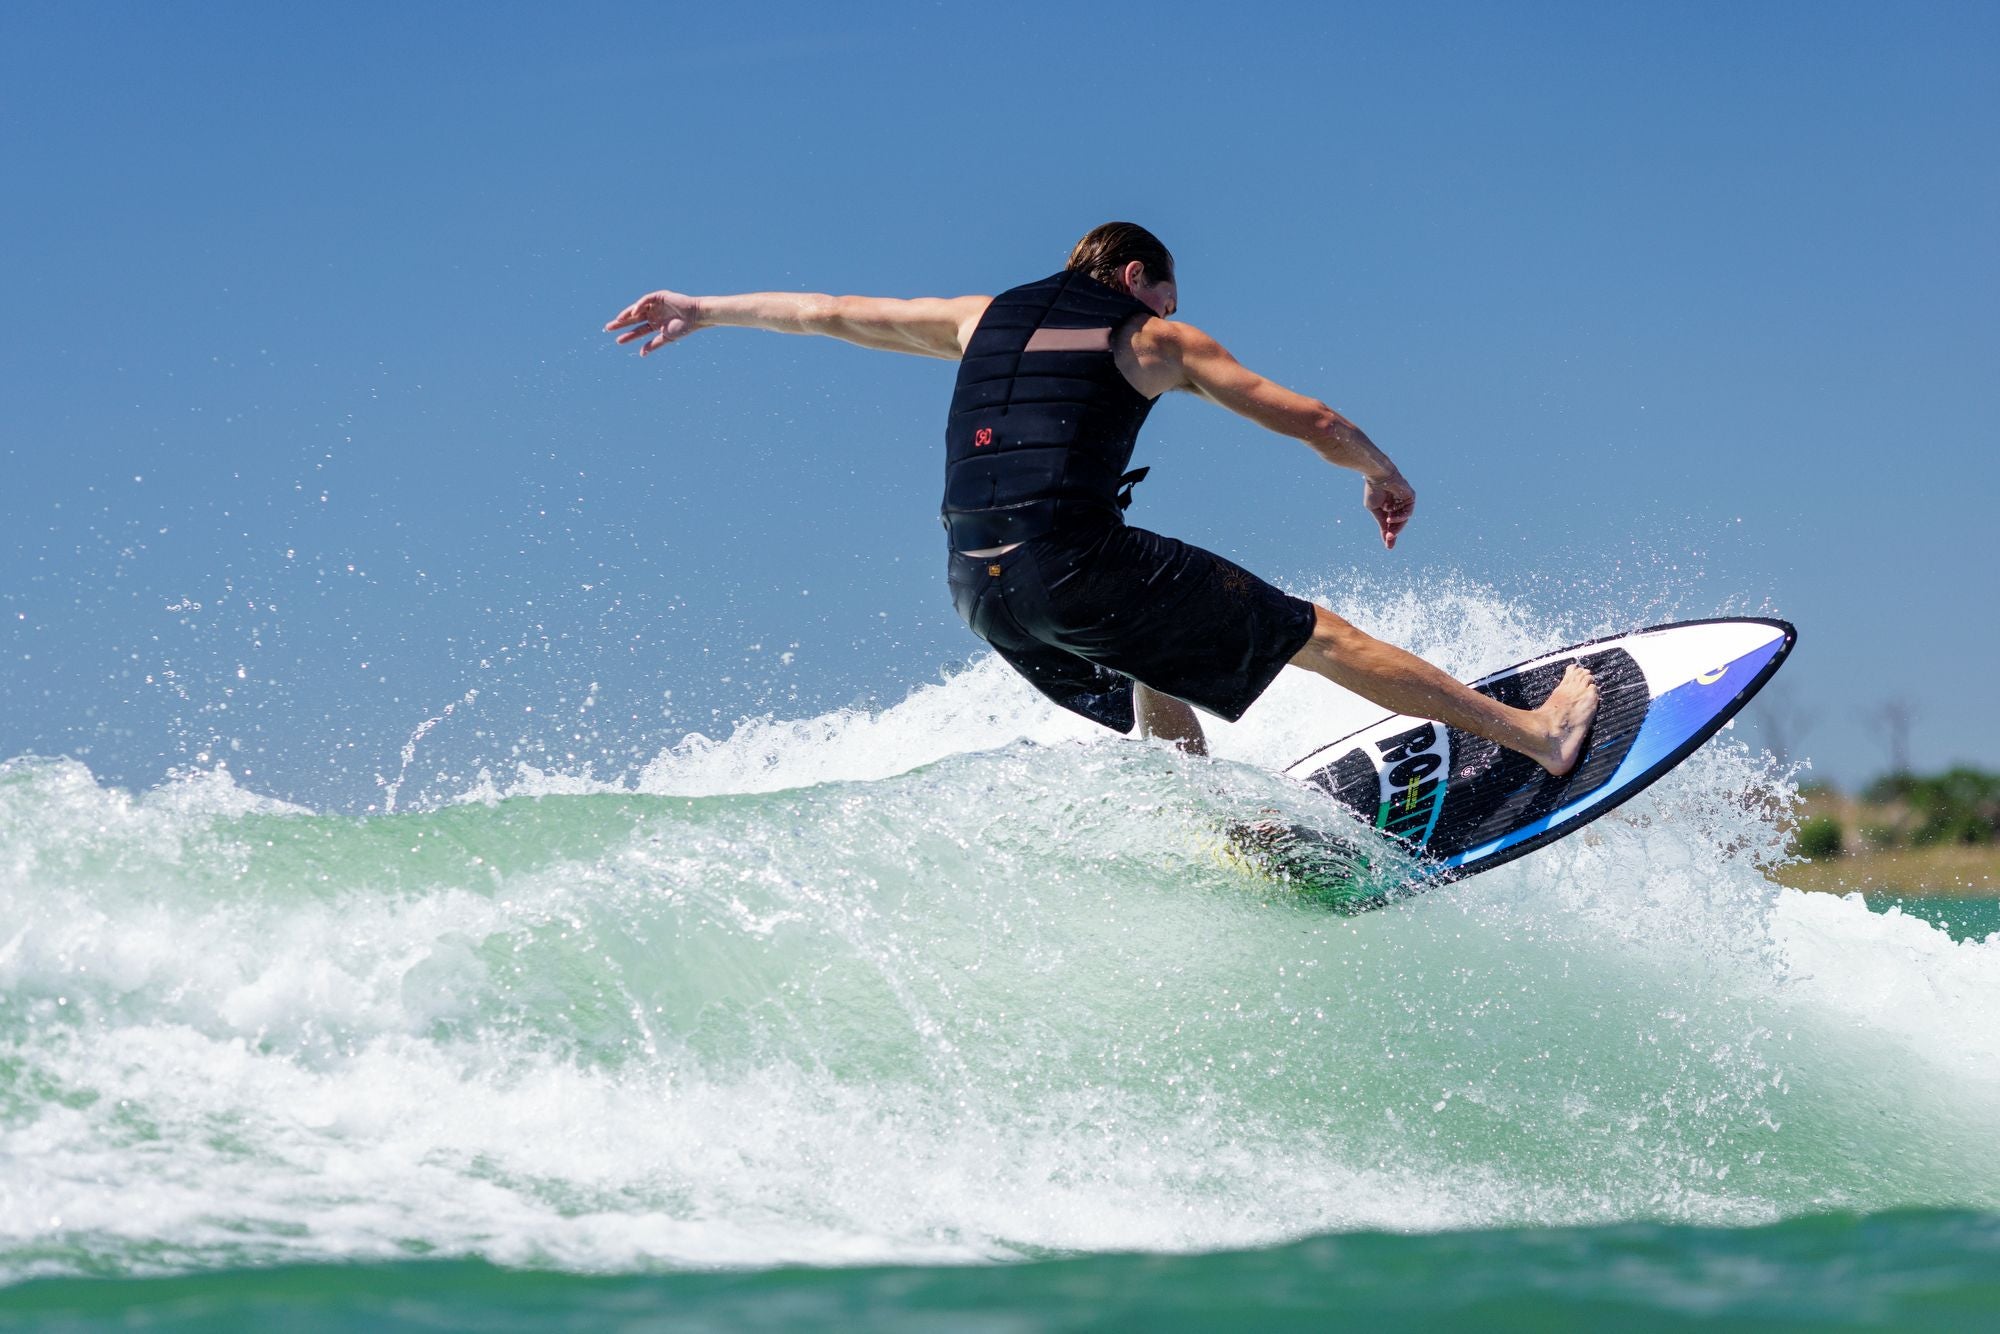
(1391,500)
(667,316)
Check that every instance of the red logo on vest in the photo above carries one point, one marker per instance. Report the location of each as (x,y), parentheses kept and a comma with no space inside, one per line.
(982,436)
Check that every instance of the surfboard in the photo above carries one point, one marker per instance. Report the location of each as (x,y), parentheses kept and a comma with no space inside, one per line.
(1450,804)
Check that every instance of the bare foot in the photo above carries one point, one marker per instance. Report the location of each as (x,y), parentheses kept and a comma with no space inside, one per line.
(1567,714)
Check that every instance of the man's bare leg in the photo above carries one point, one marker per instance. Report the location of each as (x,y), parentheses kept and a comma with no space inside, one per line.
(1168,718)
(1551,735)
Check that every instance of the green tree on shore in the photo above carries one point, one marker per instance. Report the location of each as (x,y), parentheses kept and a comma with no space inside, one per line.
(1960,805)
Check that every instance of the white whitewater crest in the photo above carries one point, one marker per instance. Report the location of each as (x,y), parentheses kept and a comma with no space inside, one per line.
(961,978)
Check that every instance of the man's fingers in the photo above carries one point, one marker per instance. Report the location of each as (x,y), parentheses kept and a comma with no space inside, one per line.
(1391,520)
(1390,502)
(639,332)
(639,312)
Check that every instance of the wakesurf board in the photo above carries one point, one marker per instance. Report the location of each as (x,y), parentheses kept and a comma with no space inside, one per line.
(1450,804)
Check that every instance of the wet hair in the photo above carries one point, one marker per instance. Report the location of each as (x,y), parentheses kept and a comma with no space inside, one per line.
(1104,252)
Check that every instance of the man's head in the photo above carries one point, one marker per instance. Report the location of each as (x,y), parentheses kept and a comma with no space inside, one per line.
(1126,256)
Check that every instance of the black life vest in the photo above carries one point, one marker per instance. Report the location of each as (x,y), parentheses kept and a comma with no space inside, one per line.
(1039,440)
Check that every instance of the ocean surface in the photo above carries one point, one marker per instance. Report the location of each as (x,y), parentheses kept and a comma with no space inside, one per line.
(950,1015)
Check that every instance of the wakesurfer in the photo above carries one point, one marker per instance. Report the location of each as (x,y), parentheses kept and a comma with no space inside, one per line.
(1106,619)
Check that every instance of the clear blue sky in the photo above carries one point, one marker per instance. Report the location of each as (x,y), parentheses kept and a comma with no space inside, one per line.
(308,429)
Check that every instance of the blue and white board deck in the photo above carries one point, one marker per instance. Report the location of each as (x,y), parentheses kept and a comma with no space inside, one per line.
(1461,804)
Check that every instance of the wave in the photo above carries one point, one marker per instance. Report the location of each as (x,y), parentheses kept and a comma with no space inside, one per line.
(960,978)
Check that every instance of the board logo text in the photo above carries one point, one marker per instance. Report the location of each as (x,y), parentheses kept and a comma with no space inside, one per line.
(1413,777)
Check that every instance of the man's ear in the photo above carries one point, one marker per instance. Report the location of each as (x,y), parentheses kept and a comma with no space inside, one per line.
(1133,271)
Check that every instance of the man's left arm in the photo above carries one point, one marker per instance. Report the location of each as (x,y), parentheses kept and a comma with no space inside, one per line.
(1207,368)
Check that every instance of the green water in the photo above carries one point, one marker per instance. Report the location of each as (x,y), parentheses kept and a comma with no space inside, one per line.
(1912,1270)
(1963,916)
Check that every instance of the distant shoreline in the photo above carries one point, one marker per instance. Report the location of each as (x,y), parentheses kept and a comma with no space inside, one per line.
(1919,835)
(1944,871)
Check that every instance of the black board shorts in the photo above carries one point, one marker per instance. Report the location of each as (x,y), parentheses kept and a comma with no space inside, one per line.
(1084,614)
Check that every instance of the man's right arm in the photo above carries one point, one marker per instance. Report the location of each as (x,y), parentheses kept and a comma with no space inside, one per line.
(925,326)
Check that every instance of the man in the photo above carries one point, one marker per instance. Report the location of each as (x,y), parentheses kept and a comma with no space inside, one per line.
(1055,379)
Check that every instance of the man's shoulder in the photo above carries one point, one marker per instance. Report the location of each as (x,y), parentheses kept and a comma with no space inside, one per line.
(1153,336)
(1153,354)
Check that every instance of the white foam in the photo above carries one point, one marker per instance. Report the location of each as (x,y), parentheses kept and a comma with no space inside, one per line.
(983,707)
(1897,977)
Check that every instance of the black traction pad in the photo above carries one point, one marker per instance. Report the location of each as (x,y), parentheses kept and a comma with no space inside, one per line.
(1493,790)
